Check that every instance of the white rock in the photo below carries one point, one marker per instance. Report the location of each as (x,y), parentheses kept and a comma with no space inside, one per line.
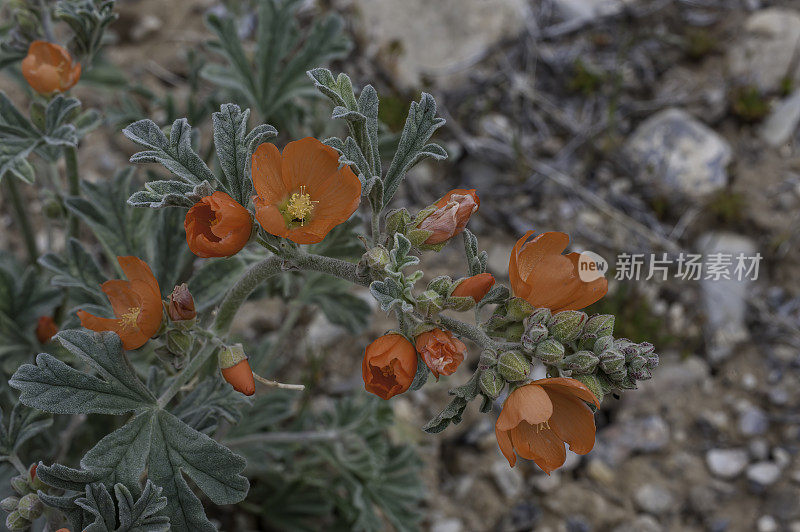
(725,300)
(765,55)
(677,153)
(726,463)
(436,39)
(510,481)
(586,10)
(782,121)
(767,523)
(447,524)
(763,473)
(654,499)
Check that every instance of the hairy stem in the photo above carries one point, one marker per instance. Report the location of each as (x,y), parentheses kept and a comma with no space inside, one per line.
(283,437)
(238,294)
(335,267)
(14,460)
(466,330)
(208,349)
(73,186)
(24,221)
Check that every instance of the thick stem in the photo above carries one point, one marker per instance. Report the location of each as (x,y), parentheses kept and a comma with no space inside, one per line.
(73,186)
(466,330)
(24,221)
(335,267)
(208,349)
(237,295)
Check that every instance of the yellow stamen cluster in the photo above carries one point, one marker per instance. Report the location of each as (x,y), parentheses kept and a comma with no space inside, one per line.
(541,426)
(300,205)
(130,318)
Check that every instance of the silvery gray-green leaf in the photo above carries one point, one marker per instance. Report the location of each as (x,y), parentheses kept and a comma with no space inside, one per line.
(159,194)
(23,424)
(413,146)
(174,153)
(77,268)
(128,515)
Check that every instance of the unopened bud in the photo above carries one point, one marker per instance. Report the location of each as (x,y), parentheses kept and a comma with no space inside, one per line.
(641,374)
(178,342)
(534,333)
(377,258)
(513,366)
(491,383)
(603,343)
(612,361)
(53,209)
(181,304)
(397,220)
(593,383)
(567,325)
(236,369)
(488,358)
(518,309)
(513,332)
(600,325)
(9,504)
(581,362)
(15,521)
(586,342)
(429,302)
(20,484)
(441,285)
(550,351)
(30,507)
(34,482)
(540,315)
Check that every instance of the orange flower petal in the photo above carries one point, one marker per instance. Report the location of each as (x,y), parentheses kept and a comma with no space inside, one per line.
(541,445)
(506,447)
(308,162)
(569,386)
(572,421)
(529,403)
(240,376)
(267,173)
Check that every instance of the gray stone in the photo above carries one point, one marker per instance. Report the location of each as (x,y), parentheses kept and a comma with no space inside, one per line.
(418,38)
(447,524)
(782,121)
(753,422)
(759,448)
(642,523)
(766,523)
(764,56)
(679,154)
(509,481)
(647,434)
(576,11)
(725,300)
(726,463)
(763,473)
(654,499)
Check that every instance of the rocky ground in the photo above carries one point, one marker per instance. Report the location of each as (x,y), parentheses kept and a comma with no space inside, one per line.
(638,126)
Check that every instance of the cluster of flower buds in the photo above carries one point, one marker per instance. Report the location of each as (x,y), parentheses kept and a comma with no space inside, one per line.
(570,344)
(25,507)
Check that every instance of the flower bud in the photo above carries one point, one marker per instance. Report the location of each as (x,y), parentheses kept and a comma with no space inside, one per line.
(550,351)
(30,507)
(488,358)
(53,209)
(491,383)
(15,521)
(441,351)
(397,220)
(35,483)
(429,302)
(612,361)
(376,258)
(593,383)
(603,343)
(450,216)
(46,328)
(9,504)
(236,369)
(514,332)
(178,342)
(567,325)
(600,325)
(441,285)
(20,484)
(475,287)
(181,304)
(581,362)
(641,374)
(518,309)
(586,341)
(534,333)
(513,366)
(539,316)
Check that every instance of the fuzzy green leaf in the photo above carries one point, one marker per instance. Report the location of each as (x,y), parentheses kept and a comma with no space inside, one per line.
(159,194)
(142,515)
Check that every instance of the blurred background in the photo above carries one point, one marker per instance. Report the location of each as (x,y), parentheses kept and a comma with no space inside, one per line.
(652,128)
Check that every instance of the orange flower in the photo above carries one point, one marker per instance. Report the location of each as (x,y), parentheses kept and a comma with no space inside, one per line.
(539,417)
(389,365)
(49,68)
(544,277)
(217,226)
(475,287)
(136,303)
(46,328)
(451,215)
(240,376)
(441,351)
(302,193)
